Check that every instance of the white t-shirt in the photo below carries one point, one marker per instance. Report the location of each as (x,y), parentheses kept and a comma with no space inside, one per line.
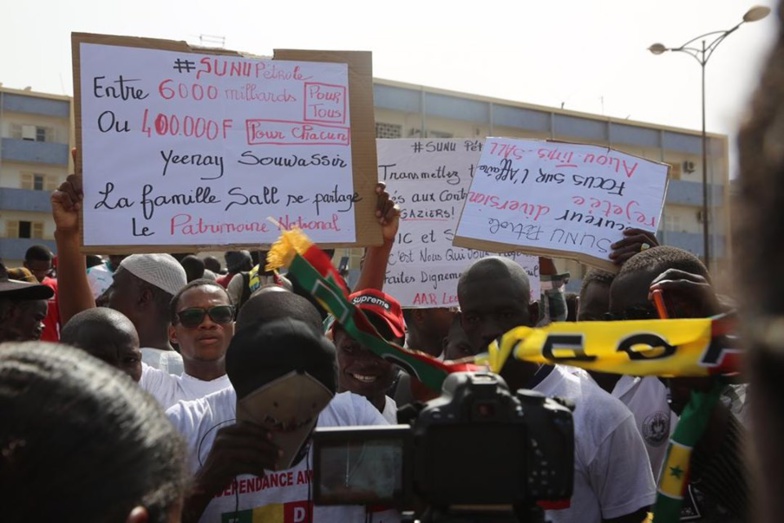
(166,360)
(168,389)
(612,474)
(646,397)
(390,411)
(279,496)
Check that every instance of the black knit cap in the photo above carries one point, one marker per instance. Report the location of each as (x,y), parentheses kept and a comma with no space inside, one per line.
(263,352)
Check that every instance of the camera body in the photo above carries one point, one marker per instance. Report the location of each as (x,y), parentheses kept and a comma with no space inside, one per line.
(478,444)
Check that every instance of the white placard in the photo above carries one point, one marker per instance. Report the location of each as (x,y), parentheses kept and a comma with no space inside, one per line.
(429,179)
(190,149)
(560,199)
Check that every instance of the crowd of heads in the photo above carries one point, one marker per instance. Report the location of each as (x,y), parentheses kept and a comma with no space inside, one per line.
(275,334)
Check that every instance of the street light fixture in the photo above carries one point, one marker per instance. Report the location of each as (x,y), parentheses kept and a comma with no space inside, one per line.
(702,54)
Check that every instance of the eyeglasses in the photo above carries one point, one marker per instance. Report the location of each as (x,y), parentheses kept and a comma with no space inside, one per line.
(221,314)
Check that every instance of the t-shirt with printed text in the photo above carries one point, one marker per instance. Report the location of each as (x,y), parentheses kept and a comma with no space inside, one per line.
(278,496)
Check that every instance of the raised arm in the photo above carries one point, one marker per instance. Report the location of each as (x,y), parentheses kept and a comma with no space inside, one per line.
(74,289)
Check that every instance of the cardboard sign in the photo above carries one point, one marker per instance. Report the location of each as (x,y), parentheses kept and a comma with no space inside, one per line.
(430,179)
(182,148)
(559,199)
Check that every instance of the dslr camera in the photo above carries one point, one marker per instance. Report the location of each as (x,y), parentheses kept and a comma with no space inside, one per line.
(474,453)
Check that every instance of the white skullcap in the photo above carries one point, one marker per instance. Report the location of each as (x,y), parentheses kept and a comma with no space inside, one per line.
(161,270)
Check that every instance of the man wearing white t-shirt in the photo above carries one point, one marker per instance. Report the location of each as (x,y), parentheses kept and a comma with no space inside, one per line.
(202,324)
(249,449)
(612,477)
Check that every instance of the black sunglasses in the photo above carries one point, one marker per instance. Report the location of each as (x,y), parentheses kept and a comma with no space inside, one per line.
(221,314)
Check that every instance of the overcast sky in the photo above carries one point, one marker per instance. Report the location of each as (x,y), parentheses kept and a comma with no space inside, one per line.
(589,55)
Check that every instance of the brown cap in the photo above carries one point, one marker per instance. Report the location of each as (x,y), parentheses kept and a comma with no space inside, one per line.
(19,290)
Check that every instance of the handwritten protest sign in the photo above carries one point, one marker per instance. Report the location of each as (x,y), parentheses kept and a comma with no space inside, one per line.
(560,199)
(429,179)
(181,148)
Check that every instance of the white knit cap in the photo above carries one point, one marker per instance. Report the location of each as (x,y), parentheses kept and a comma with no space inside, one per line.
(161,270)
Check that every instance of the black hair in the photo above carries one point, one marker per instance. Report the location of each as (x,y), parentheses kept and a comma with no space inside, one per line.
(212,263)
(408,317)
(597,276)
(92,327)
(194,267)
(572,304)
(93,260)
(38,253)
(80,441)
(658,259)
(495,267)
(179,256)
(267,305)
(201,282)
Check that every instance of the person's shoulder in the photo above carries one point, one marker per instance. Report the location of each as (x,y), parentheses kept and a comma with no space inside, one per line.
(213,408)
(167,361)
(595,408)
(348,409)
(171,362)
(152,376)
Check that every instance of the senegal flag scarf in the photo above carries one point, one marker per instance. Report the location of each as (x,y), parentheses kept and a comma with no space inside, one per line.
(669,348)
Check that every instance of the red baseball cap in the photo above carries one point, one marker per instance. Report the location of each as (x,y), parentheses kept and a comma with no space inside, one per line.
(376,303)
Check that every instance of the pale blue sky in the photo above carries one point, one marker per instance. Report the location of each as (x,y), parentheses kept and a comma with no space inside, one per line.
(588,54)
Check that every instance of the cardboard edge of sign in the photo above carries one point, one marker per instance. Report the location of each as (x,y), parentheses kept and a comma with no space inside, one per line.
(363,132)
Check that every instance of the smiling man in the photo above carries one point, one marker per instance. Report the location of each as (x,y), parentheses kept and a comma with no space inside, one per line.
(202,325)
(360,370)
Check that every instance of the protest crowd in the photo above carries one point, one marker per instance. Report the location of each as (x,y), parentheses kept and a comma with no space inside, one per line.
(198,349)
(182,387)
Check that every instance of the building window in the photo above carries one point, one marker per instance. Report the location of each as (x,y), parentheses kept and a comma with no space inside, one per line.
(31,133)
(439,134)
(37,182)
(672,223)
(675,171)
(388,130)
(24,229)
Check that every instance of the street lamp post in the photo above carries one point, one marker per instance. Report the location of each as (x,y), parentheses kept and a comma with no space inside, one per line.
(702,54)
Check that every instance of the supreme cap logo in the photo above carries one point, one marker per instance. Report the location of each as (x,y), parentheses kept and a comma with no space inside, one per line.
(371,300)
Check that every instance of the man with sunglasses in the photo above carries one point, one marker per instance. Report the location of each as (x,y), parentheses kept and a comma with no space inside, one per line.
(646,397)
(718,490)
(202,325)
